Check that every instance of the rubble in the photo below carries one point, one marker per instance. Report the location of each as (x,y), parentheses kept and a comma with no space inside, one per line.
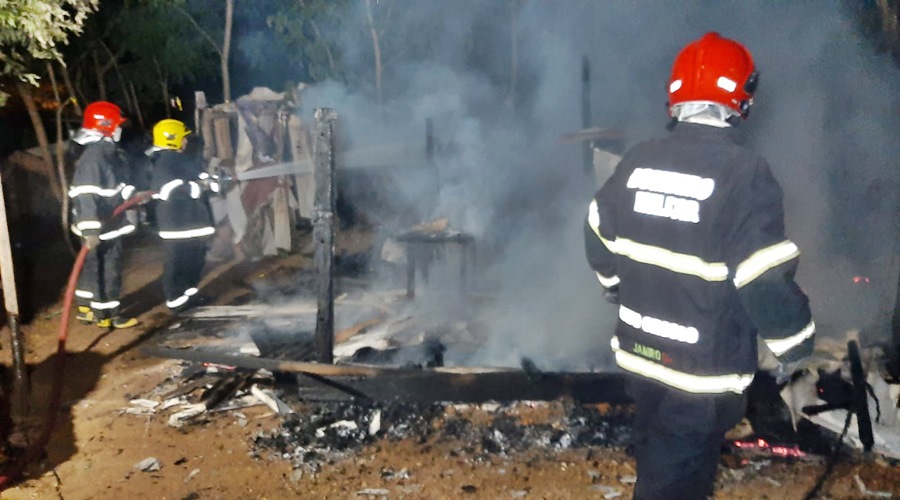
(315,433)
(331,431)
(821,395)
(149,464)
(867,493)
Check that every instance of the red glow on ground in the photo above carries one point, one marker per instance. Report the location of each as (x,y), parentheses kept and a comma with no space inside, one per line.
(762,445)
(860,279)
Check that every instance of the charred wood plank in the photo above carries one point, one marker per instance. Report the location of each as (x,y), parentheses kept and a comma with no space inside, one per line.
(251,362)
(351,331)
(433,385)
(323,232)
(461,384)
(224,388)
(189,387)
(253,310)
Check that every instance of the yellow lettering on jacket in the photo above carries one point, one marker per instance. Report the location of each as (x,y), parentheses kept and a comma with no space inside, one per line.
(647,352)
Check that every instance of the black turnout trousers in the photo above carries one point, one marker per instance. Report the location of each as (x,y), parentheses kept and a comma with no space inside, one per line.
(102,276)
(678,438)
(183,267)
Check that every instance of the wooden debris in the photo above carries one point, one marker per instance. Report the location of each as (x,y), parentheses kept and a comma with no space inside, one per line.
(254,310)
(349,332)
(433,227)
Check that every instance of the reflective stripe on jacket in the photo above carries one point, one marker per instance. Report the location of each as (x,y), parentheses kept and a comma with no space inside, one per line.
(182,211)
(99,185)
(690,229)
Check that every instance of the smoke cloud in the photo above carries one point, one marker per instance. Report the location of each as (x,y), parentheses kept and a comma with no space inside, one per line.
(826,118)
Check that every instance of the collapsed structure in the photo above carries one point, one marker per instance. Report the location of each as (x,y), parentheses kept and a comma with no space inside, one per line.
(262,128)
(387,346)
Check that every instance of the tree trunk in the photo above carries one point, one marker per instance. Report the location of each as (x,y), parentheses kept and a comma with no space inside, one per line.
(164,87)
(226,49)
(890,25)
(43,141)
(79,81)
(889,21)
(101,85)
(60,158)
(376,45)
(331,65)
(137,105)
(67,81)
(125,95)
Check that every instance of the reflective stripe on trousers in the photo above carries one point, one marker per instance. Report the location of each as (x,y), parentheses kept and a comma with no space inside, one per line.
(688,382)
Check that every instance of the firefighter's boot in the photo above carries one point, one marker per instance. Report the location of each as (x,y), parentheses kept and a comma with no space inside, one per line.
(85,315)
(118,322)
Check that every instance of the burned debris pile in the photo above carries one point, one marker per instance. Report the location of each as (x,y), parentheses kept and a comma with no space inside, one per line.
(329,432)
(401,374)
(313,434)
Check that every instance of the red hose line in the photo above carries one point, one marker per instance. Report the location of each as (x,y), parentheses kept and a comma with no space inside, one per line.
(34,451)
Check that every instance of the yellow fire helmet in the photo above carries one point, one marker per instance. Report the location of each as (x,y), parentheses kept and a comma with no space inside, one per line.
(169,134)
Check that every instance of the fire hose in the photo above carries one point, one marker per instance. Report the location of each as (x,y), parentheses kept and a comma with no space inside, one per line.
(36,448)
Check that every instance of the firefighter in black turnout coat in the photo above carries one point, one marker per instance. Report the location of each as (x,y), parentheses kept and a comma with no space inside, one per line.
(99,185)
(687,238)
(182,212)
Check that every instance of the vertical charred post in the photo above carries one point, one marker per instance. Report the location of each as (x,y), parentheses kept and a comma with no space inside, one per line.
(895,327)
(860,404)
(11,302)
(587,155)
(323,232)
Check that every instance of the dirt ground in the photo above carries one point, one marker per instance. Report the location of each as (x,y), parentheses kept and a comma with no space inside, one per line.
(95,445)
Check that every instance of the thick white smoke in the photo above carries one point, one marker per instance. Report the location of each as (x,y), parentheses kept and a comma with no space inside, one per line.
(826,118)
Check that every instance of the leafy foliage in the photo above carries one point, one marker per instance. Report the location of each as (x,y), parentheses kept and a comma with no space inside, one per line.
(33,29)
(309,30)
(161,42)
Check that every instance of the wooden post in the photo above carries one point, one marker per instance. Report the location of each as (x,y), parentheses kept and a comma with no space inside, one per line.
(895,328)
(11,301)
(323,232)
(222,131)
(587,154)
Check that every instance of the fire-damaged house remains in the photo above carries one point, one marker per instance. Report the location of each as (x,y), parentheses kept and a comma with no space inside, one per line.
(387,353)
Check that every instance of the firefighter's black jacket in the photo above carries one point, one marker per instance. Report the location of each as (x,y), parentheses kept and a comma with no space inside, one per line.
(100,184)
(182,211)
(689,232)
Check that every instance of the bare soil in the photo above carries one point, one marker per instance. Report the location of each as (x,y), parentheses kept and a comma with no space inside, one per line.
(95,445)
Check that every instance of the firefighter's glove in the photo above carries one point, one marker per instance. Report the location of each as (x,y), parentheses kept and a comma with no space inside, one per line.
(611,295)
(92,241)
(785,373)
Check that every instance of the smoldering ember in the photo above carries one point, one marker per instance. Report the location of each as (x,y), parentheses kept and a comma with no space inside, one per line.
(352,239)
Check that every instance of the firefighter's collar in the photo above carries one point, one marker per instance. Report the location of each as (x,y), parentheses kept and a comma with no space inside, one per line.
(86,136)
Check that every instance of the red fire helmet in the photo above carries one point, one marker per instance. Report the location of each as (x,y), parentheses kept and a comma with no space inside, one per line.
(104,117)
(714,69)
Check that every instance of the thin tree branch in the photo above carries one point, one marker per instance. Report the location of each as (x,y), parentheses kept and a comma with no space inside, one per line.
(115,64)
(321,39)
(376,44)
(67,81)
(226,50)
(60,160)
(199,28)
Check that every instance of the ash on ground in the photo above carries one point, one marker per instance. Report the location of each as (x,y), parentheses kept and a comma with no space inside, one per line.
(330,432)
